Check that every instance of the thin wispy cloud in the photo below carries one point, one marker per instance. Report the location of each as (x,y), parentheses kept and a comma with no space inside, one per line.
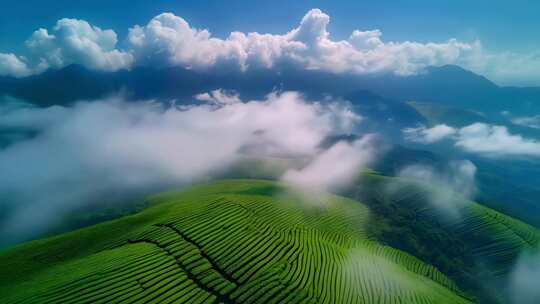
(218,97)
(480,138)
(523,287)
(428,135)
(527,121)
(449,188)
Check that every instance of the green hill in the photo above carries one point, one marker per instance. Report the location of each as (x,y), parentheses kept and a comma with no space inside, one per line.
(233,241)
(475,246)
(255,241)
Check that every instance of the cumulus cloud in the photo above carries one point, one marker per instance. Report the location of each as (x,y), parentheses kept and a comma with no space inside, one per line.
(11,65)
(169,40)
(334,167)
(524,280)
(365,52)
(83,152)
(72,41)
(450,187)
(428,135)
(485,139)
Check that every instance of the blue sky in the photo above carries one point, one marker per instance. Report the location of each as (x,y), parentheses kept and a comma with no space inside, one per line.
(501,26)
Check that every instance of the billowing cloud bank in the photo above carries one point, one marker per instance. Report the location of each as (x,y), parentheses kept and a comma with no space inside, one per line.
(72,41)
(485,139)
(84,152)
(169,40)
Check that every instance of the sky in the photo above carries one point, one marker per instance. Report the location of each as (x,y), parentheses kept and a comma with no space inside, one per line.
(508,30)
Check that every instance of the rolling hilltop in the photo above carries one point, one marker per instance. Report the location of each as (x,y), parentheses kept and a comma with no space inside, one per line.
(253,241)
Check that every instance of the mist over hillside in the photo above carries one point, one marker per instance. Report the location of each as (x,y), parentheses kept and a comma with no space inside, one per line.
(148,158)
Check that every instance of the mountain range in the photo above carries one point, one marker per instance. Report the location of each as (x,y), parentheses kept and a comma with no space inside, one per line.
(448,85)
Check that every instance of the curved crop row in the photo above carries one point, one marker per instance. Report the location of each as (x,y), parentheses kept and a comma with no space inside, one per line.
(229,242)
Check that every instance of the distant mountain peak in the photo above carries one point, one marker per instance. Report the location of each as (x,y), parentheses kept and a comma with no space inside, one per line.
(455,73)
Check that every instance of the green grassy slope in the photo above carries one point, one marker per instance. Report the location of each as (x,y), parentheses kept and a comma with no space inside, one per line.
(474,245)
(498,179)
(233,241)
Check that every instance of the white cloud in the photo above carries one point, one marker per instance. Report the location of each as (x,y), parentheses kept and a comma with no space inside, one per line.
(527,121)
(169,40)
(83,152)
(219,97)
(76,41)
(485,139)
(365,52)
(449,188)
(334,167)
(523,287)
(24,116)
(11,65)
(495,141)
(428,135)
(367,40)
(72,41)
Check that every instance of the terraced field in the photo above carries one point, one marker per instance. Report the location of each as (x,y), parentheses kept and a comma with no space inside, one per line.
(474,245)
(233,241)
